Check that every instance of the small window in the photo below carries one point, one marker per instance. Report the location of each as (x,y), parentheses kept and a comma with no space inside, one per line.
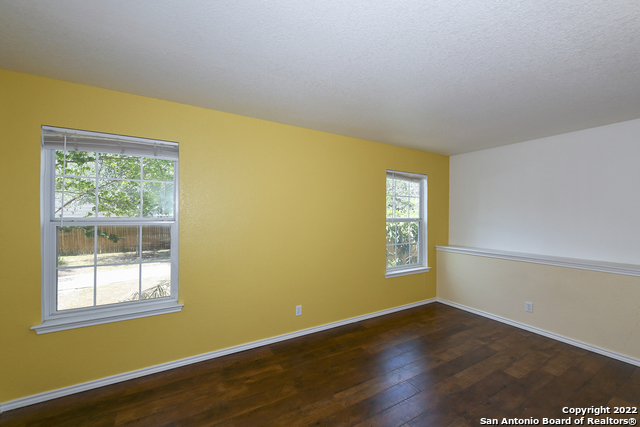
(406,223)
(109,228)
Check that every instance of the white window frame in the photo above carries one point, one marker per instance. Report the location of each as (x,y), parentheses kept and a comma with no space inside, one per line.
(54,320)
(421,266)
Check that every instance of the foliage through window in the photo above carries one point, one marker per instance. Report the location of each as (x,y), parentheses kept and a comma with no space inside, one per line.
(109,223)
(406,225)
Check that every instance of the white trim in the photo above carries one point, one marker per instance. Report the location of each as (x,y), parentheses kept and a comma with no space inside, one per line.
(582,264)
(90,385)
(554,336)
(96,317)
(405,272)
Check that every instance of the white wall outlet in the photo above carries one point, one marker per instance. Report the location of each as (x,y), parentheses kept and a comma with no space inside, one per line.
(298,310)
(528,306)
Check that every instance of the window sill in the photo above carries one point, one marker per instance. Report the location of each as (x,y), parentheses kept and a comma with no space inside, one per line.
(405,272)
(118,314)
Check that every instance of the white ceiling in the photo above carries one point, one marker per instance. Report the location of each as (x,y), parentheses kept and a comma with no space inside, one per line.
(445,76)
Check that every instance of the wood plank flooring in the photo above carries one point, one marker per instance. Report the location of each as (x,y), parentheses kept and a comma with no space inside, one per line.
(429,366)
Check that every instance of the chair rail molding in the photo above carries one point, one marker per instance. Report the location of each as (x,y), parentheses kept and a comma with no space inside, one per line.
(582,264)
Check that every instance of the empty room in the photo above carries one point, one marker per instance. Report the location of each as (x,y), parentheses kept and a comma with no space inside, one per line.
(256,213)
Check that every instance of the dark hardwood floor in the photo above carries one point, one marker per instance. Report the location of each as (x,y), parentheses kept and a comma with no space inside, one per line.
(430,366)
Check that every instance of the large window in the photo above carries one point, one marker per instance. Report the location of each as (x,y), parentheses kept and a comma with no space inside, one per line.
(406,223)
(109,228)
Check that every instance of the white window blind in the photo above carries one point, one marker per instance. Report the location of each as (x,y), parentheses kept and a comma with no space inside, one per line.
(77,140)
(404,176)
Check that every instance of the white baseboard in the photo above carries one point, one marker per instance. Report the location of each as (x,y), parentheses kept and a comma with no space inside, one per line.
(66,391)
(571,341)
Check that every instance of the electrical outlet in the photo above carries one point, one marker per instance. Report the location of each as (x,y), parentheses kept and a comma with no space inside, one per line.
(528,306)
(298,310)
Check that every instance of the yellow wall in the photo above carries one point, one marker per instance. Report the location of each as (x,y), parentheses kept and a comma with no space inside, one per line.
(601,309)
(271,216)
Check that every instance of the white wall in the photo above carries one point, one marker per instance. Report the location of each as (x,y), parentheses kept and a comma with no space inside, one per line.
(574,195)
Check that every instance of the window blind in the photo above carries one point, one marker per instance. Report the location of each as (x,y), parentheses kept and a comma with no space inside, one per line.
(77,140)
(404,176)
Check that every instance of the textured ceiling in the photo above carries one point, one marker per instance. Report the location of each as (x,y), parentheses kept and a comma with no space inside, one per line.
(446,76)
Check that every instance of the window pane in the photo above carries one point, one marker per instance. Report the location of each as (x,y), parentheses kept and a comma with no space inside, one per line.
(78,199)
(415,232)
(390,189)
(118,166)
(402,187)
(157,169)
(414,207)
(118,244)
(389,206)
(414,254)
(414,189)
(75,288)
(392,233)
(157,199)
(79,163)
(391,255)
(156,242)
(402,255)
(119,199)
(59,162)
(117,284)
(75,246)
(156,280)
(407,232)
(402,207)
